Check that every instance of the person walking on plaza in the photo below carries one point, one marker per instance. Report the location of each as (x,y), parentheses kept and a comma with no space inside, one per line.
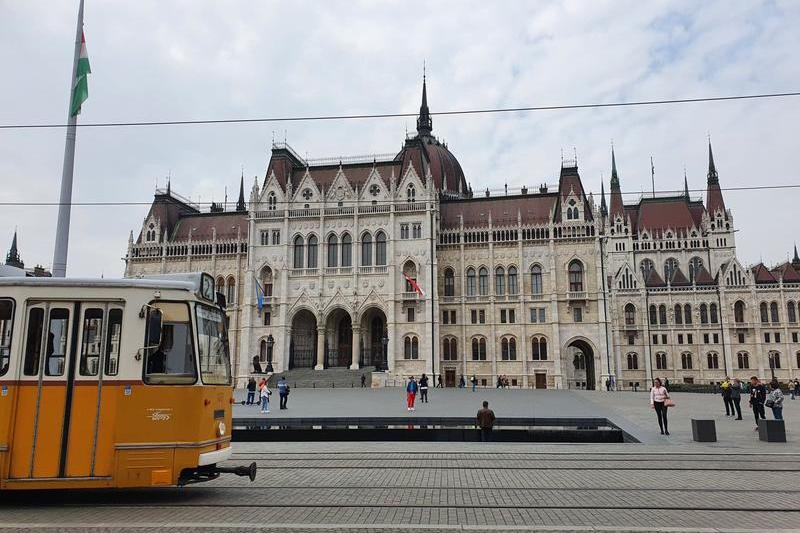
(363,380)
(758,395)
(486,420)
(283,391)
(423,389)
(736,397)
(658,401)
(474,381)
(796,387)
(462,383)
(775,400)
(264,394)
(439,383)
(251,391)
(411,392)
(725,386)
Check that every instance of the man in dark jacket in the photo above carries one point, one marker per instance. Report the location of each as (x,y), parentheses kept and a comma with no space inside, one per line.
(486,422)
(758,395)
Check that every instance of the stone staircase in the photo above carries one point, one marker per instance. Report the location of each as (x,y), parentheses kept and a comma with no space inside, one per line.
(330,378)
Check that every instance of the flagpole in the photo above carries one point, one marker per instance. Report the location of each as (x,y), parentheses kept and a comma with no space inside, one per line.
(65,202)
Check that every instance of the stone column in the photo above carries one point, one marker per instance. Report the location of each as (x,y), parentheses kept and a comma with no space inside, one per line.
(320,348)
(356,348)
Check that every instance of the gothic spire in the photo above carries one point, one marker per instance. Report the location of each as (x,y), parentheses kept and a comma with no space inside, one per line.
(240,205)
(617,207)
(685,185)
(614,177)
(713,178)
(714,200)
(796,258)
(424,122)
(12,258)
(603,207)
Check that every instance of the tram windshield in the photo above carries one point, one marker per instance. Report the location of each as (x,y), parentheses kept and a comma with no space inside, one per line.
(212,341)
(172,361)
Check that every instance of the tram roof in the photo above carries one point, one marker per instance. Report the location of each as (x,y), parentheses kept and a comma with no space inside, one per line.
(187,282)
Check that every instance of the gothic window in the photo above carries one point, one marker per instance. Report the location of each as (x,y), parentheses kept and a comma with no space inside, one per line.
(231,296)
(513,285)
(470,281)
(662,314)
(774,359)
(703,314)
(695,264)
(579,361)
(713,360)
(714,314)
(450,349)
(266,281)
(298,252)
(738,312)
(764,312)
(575,276)
(221,285)
(411,347)
(646,266)
(478,349)
(630,314)
(307,194)
(687,314)
(449,282)
(508,349)
(499,281)
(633,361)
(743,360)
(380,248)
(366,249)
(539,349)
(347,250)
(374,190)
(409,273)
(333,249)
(678,314)
(670,266)
(272,201)
(773,312)
(312,251)
(653,318)
(411,193)
(483,281)
(661,361)
(536,279)
(686,361)
(791,312)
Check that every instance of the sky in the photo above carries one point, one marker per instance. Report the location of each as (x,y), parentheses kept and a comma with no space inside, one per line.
(192,59)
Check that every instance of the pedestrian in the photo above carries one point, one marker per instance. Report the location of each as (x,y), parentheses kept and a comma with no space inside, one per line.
(439,383)
(411,392)
(775,400)
(423,388)
(666,383)
(265,394)
(736,397)
(796,387)
(251,391)
(283,391)
(758,395)
(363,380)
(658,401)
(608,385)
(474,381)
(486,422)
(462,383)
(725,386)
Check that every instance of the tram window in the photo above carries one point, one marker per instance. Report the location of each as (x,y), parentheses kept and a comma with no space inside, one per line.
(33,342)
(57,342)
(6,328)
(215,366)
(113,337)
(92,340)
(172,361)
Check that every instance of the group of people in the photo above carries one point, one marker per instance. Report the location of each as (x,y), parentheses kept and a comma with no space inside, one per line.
(502,382)
(462,383)
(413,387)
(264,393)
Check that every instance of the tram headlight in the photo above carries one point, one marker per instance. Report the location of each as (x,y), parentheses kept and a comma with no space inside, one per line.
(221,429)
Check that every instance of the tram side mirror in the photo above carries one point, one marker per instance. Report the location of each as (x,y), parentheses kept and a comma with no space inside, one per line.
(155,322)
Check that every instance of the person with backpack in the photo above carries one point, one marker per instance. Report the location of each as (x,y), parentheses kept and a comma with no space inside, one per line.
(725,386)
(474,381)
(736,397)
(411,392)
(423,389)
(775,400)
(251,391)
(283,392)
(758,395)
(658,401)
(265,393)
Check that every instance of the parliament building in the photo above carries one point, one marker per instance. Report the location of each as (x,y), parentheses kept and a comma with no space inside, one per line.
(392,263)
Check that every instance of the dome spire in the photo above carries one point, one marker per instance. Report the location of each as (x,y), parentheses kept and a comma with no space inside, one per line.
(12,258)
(424,122)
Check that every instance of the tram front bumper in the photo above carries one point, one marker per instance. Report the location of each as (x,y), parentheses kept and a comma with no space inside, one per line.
(207,468)
(217,456)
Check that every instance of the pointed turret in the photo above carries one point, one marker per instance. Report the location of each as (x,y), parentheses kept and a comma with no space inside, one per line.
(714,201)
(617,209)
(12,258)
(603,207)
(685,185)
(240,205)
(796,258)
(424,122)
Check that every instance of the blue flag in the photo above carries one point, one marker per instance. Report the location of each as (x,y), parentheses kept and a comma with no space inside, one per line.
(259,295)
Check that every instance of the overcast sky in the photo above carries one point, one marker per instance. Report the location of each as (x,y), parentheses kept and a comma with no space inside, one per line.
(160,60)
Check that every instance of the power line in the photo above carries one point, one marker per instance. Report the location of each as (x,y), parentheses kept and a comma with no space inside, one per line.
(478,196)
(402,115)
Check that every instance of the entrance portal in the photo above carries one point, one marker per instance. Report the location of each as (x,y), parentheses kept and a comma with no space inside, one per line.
(450,377)
(303,345)
(580,363)
(373,333)
(338,339)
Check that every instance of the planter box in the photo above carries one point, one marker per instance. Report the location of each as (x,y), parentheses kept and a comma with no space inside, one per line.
(704,430)
(771,430)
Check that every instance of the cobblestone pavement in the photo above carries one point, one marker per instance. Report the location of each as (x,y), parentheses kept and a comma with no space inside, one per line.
(387,487)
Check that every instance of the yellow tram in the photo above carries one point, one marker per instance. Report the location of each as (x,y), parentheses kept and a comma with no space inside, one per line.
(113,383)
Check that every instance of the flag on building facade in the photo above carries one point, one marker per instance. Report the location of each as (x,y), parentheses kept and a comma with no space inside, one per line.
(259,294)
(80,88)
(414,285)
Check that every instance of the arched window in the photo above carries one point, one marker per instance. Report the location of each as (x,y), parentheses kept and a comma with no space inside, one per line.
(653,315)
(366,249)
(231,296)
(738,312)
(471,288)
(504,349)
(686,361)
(478,349)
(633,361)
(513,285)
(791,312)
(695,264)
(743,360)
(678,314)
(266,281)
(272,201)
(380,248)
(500,281)
(411,193)
(703,314)
(714,314)
(298,252)
(220,285)
(661,361)
(687,314)
(670,266)
(774,359)
(764,313)
(797,356)
(508,349)
(630,314)
(411,347)
(539,349)
(662,314)
(450,349)
(576,276)
(536,279)
(483,281)
(713,360)
(333,251)
(449,282)
(773,312)
(312,251)
(646,266)
(347,250)
(579,361)
(409,275)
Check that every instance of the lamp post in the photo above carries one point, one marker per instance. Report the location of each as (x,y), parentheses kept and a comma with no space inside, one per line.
(270,344)
(772,365)
(384,355)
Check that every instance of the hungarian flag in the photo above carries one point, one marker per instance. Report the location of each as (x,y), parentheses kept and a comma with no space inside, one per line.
(80,88)
(414,285)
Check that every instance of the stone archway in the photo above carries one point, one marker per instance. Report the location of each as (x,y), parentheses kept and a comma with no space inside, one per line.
(579,359)
(338,339)
(303,343)
(372,332)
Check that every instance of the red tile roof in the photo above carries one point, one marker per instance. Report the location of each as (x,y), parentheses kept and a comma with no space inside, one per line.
(704,278)
(679,279)
(533,208)
(659,214)
(228,225)
(787,273)
(762,274)
(654,280)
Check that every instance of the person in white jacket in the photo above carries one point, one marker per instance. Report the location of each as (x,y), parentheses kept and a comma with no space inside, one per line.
(658,397)
(265,394)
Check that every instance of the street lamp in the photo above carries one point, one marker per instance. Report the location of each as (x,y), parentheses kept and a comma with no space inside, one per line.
(270,344)
(772,365)
(384,355)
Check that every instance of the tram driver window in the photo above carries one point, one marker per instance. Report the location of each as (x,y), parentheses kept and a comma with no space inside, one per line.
(172,360)
(6,328)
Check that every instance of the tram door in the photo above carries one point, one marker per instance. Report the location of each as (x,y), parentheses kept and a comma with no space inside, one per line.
(56,422)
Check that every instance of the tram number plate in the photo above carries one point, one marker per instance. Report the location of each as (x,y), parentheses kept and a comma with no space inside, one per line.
(219,413)
(127,390)
(4,390)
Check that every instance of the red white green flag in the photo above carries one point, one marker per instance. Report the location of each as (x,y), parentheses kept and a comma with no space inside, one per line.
(80,88)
